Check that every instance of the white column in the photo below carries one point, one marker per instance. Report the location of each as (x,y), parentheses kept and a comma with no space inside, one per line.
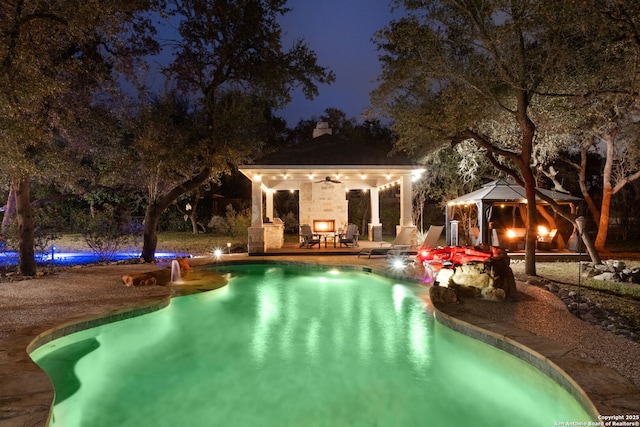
(269,210)
(375,206)
(406,191)
(256,203)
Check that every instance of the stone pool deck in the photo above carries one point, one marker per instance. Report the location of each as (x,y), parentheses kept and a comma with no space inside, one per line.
(539,329)
(605,366)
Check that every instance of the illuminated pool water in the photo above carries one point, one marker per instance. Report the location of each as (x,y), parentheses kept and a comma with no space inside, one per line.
(291,346)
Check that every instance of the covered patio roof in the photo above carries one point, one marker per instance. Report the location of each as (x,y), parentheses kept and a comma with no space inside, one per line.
(358,166)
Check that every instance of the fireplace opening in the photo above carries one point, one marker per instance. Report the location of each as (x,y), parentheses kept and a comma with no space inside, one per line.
(324,225)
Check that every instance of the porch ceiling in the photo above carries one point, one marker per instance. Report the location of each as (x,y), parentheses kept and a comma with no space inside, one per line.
(353,177)
(355,165)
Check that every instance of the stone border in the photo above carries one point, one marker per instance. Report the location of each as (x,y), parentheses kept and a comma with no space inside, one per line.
(523,353)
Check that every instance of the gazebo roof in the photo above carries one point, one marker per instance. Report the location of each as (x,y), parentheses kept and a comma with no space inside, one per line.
(502,190)
(358,166)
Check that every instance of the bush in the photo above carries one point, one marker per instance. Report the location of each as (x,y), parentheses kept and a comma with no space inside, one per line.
(111,230)
(105,237)
(219,225)
(290,223)
(234,223)
(239,222)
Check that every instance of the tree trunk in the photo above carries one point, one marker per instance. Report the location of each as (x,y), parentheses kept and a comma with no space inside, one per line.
(607,191)
(10,209)
(26,242)
(194,222)
(591,249)
(528,129)
(603,224)
(532,224)
(157,208)
(582,180)
(193,214)
(150,232)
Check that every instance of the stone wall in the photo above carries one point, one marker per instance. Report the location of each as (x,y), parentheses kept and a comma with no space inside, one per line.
(274,236)
(324,200)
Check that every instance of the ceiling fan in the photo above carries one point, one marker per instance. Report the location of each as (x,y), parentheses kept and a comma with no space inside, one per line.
(328,179)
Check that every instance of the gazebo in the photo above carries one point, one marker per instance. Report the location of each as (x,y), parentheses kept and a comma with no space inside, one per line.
(500,194)
(323,170)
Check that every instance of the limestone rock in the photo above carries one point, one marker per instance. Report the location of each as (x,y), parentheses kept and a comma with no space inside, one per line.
(465,291)
(493,294)
(139,280)
(607,276)
(443,295)
(503,275)
(473,274)
(184,265)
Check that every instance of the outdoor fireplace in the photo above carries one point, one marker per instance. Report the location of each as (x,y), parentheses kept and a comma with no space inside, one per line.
(324,225)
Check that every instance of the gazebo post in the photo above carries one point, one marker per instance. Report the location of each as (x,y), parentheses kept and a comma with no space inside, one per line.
(484,214)
(269,204)
(375,215)
(447,222)
(406,193)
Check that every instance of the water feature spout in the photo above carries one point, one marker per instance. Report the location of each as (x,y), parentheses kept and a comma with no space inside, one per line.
(176,276)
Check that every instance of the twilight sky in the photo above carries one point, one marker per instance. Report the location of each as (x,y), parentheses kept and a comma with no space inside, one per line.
(340,32)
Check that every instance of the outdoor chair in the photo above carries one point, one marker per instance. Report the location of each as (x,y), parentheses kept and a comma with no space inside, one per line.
(349,236)
(429,242)
(307,238)
(403,240)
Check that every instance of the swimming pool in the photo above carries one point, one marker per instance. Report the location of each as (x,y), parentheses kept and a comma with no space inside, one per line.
(293,346)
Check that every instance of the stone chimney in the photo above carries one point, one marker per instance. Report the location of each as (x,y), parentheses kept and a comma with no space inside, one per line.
(322,128)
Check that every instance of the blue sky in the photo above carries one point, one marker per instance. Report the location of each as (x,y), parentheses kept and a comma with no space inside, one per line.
(340,32)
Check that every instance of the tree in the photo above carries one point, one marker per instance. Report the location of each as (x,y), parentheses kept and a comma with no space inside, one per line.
(464,70)
(230,60)
(597,103)
(610,98)
(53,55)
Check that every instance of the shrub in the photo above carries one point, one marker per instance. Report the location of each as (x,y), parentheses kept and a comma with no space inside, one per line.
(290,223)
(105,237)
(239,222)
(219,225)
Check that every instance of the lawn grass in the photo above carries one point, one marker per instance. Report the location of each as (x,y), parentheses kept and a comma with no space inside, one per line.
(567,272)
(181,242)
